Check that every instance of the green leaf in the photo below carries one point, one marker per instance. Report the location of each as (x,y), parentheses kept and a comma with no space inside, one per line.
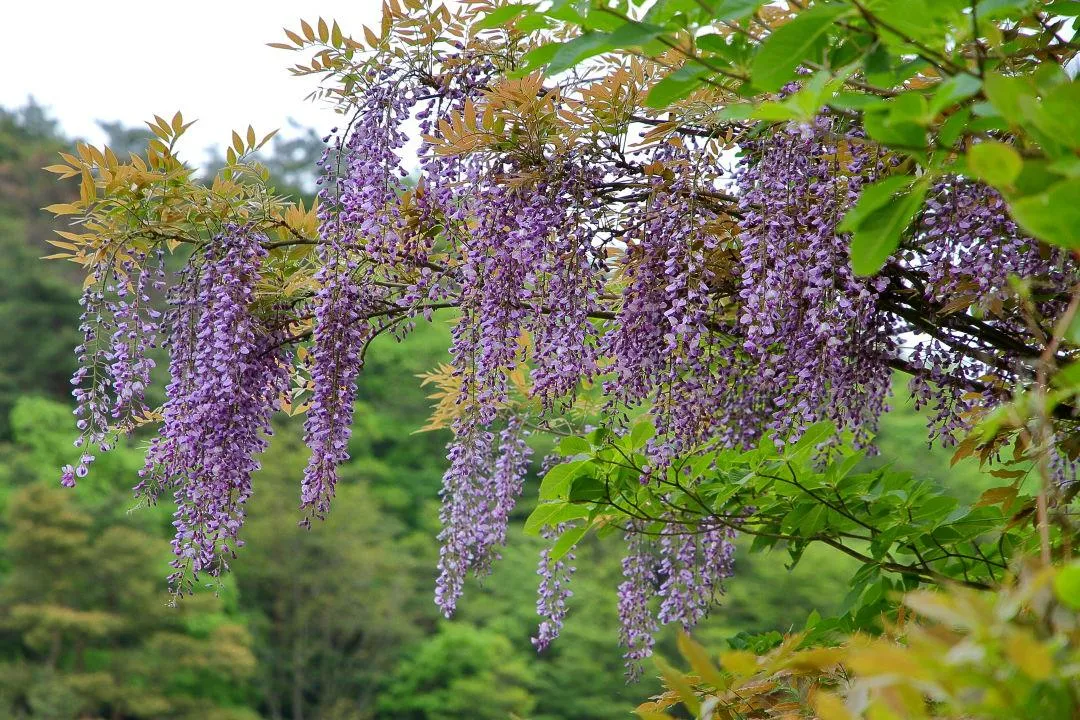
(587,487)
(574,445)
(878,234)
(567,11)
(1053,215)
(677,85)
(805,104)
(729,10)
(776,112)
(1068,8)
(1067,585)
(857,101)
(873,197)
(551,514)
(814,521)
(1035,177)
(910,107)
(566,542)
(663,11)
(951,129)
(735,111)
(578,49)
(1069,166)
(532,23)
(642,432)
(884,69)
(556,484)
(954,90)
(987,9)
(789,44)
(627,35)
(995,162)
(933,511)
(895,130)
(1004,93)
(812,437)
(931,23)
(1059,114)
(537,57)
(713,43)
(500,16)
(599,436)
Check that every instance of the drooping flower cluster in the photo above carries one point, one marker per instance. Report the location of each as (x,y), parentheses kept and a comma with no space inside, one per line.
(968,249)
(637,623)
(227,376)
(815,332)
(120,327)
(479,491)
(339,337)
(553,592)
(527,273)
(693,565)
(685,569)
(969,246)
(358,213)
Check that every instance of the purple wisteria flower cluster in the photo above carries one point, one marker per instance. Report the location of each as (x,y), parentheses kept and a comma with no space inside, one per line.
(968,249)
(553,593)
(120,329)
(358,215)
(228,374)
(684,569)
(815,334)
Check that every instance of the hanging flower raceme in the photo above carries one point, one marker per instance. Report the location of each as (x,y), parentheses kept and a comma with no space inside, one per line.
(967,250)
(638,624)
(228,376)
(480,489)
(565,286)
(667,341)
(515,284)
(120,327)
(815,331)
(553,592)
(360,217)
(969,246)
(464,513)
(684,568)
(340,333)
(507,480)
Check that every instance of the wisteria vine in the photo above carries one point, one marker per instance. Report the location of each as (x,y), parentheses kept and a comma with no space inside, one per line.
(591,280)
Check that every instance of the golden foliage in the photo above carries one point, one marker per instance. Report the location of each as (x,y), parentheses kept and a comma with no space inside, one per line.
(958,653)
(447,391)
(126,209)
(448,403)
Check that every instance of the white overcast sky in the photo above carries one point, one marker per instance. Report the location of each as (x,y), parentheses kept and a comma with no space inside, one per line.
(127,60)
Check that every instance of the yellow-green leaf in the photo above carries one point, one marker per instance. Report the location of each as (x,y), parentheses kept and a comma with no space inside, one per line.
(995,162)
(829,706)
(1028,654)
(741,662)
(679,683)
(699,661)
